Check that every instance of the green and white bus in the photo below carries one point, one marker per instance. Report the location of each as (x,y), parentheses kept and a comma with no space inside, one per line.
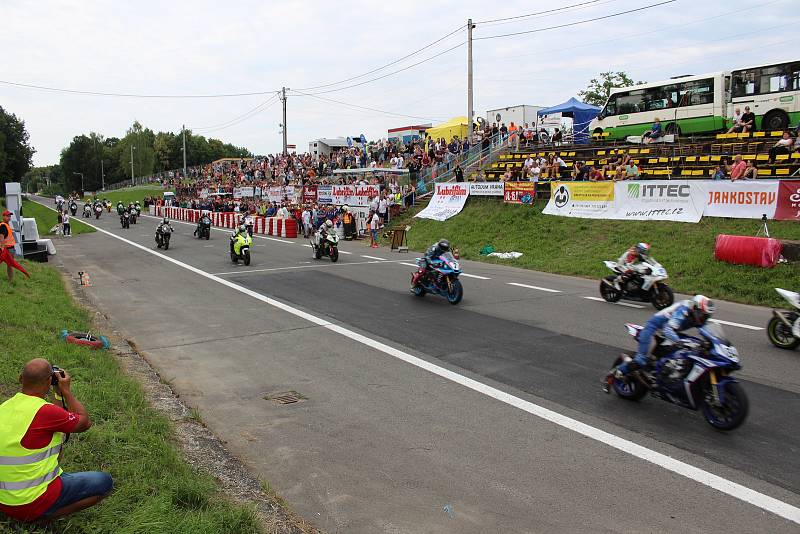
(704,103)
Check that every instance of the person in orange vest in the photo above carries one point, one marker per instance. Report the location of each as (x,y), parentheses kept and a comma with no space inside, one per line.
(32,485)
(349,223)
(7,240)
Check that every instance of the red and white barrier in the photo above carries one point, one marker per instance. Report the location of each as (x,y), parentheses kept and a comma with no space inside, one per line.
(758,251)
(261,225)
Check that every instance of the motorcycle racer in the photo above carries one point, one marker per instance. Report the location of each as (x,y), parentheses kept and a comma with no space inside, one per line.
(631,262)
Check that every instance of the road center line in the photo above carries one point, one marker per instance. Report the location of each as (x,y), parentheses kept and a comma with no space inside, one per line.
(409,264)
(373,257)
(598,299)
(706,478)
(475,276)
(316,265)
(534,287)
(740,325)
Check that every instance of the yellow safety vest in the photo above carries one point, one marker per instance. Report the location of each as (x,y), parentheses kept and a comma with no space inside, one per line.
(24,473)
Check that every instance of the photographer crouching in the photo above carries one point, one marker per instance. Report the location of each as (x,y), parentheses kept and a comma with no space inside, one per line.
(32,432)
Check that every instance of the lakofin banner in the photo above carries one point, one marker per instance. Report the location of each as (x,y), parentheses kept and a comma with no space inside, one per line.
(448,200)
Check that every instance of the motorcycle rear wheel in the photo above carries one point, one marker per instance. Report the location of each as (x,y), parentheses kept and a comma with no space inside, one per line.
(631,389)
(662,296)
(456,293)
(418,291)
(781,335)
(732,413)
(608,291)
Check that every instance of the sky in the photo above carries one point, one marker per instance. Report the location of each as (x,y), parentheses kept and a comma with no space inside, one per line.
(187,49)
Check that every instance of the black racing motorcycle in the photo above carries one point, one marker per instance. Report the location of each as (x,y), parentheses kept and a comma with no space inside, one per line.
(163,233)
(203,230)
(125,219)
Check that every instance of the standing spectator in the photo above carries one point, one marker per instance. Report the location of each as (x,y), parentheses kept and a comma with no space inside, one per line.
(557,137)
(383,210)
(7,241)
(66,223)
(503,133)
(373,222)
(513,133)
(306,217)
(458,173)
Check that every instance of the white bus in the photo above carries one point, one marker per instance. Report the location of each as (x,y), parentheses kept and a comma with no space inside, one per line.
(704,103)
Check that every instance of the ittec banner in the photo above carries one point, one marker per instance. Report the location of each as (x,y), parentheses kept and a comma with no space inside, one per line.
(741,200)
(486,189)
(788,201)
(660,200)
(448,200)
(519,192)
(588,200)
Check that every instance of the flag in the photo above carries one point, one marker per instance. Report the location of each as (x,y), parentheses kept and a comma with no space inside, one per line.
(6,257)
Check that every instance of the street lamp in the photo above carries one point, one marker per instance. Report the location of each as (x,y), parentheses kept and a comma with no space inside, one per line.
(81,175)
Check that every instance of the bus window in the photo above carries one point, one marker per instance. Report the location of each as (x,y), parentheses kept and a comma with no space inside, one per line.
(773,79)
(657,98)
(697,92)
(631,102)
(611,106)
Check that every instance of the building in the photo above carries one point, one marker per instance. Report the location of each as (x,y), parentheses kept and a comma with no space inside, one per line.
(406,134)
(327,146)
(517,114)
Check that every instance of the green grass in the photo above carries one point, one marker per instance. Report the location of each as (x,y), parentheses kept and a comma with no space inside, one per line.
(578,247)
(155,489)
(131,194)
(47,219)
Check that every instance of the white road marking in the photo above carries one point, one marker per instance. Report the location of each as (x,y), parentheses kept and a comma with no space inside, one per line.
(598,299)
(227,231)
(740,325)
(409,264)
(475,276)
(373,257)
(344,252)
(315,265)
(208,246)
(534,287)
(706,478)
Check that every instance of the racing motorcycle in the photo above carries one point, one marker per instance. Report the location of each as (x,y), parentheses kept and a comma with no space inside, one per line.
(646,285)
(240,248)
(138,210)
(73,208)
(98,210)
(204,228)
(783,328)
(696,376)
(125,219)
(163,233)
(440,279)
(329,246)
(133,215)
(87,211)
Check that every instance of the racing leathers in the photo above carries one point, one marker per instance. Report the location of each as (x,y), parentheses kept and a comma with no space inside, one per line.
(631,264)
(670,321)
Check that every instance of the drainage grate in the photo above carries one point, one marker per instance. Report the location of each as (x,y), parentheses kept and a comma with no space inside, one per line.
(288,397)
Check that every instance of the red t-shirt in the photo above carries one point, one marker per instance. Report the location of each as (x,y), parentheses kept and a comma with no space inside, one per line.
(47,421)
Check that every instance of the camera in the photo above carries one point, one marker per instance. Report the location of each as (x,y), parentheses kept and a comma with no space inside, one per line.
(56,370)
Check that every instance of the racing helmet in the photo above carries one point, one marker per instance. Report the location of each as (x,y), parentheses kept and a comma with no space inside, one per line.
(242,229)
(643,249)
(703,308)
(328,223)
(164,221)
(444,245)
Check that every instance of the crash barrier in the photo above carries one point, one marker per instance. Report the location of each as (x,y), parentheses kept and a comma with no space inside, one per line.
(743,250)
(261,225)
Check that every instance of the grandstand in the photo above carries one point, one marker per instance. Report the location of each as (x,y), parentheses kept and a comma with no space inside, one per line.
(689,158)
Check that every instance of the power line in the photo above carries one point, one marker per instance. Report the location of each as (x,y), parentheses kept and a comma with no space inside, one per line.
(538,13)
(213,126)
(393,72)
(243,118)
(594,19)
(128,95)
(384,66)
(362,107)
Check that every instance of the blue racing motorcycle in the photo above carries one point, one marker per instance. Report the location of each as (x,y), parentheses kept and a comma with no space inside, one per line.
(441,278)
(695,376)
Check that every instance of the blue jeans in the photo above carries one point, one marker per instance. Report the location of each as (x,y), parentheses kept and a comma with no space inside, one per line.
(78,486)
(641,358)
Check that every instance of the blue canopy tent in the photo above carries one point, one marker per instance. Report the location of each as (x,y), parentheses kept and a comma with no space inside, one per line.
(581,114)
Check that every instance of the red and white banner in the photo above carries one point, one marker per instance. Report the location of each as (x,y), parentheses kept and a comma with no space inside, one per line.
(741,200)
(261,225)
(788,208)
(448,200)
(353,195)
(309,194)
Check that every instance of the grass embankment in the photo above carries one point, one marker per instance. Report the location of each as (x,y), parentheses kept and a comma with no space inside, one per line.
(578,247)
(131,194)
(155,489)
(47,219)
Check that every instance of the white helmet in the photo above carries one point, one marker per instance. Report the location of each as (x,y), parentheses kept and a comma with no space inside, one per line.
(328,223)
(703,308)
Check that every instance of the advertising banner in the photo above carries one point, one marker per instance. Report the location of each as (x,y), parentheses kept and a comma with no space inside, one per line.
(788,208)
(486,189)
(741,200)
(660,200)
(274,194)
(354,195)
(242,192)
(448,200)
(588,200)
(325,194)
(309,194)
(519,192)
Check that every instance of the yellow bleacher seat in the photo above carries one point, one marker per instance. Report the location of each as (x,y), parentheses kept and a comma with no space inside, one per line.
(697,172)
(606,134)
(759,134)
(782,157)
(601,152)
(748,157)
(652,160)
(776,133)
(663,160)
(691,159)
(644,151)
(762,157)
(571,154)
(722,136)
(765,172)
(743,135)
(686,172)
(716,158)
(781,172)
(590,162)
(796,155)
(634,151)
(705,158)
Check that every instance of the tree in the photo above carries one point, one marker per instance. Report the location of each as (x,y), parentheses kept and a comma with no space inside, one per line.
(16,154)
(599,89)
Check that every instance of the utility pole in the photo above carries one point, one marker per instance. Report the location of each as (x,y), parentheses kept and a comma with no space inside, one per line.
(283,99)
(470,112)
(132,147)
(183,127)
(102,176)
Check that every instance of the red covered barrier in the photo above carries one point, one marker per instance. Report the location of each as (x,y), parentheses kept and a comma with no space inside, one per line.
(758,251)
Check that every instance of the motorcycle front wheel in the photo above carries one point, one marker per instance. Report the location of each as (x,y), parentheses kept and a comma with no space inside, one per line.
(166,244)
(456,293)
(608,291)
(781,335)
(662,296)
(317,252)
(334,253)
(247,257)
(733,411)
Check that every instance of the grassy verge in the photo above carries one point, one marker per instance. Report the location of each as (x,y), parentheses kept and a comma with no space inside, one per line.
(578,246)
(47,219)
(131,194)
(155,489)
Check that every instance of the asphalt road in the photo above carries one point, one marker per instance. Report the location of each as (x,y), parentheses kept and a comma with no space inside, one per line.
(379,445)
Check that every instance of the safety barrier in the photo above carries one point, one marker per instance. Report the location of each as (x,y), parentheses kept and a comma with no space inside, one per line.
(261,225)
(745,250)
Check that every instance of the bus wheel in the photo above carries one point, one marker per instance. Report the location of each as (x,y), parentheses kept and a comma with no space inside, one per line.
(775,120)
(673,129)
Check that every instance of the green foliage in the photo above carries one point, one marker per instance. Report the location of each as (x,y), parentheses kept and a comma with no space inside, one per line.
(598,90)
(16,153)
(578,247)
(155,490)
(47,218)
